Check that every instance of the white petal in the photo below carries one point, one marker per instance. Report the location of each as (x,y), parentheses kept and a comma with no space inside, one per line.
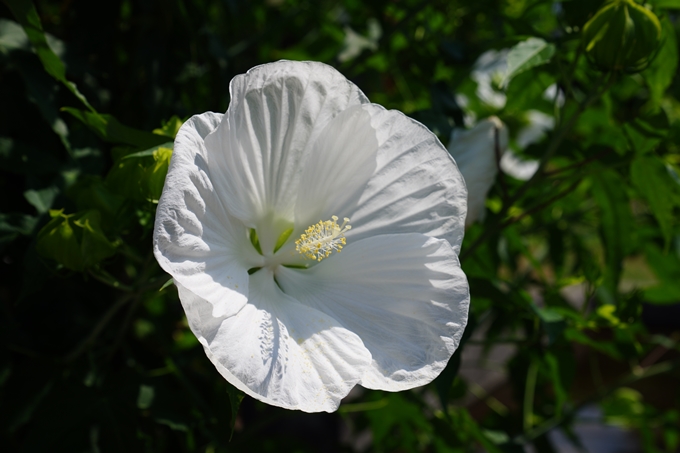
(539,124)
(342,161)
(404,295)
(475,153)
(416,187)
(279,351)
(518,168)
(195,239)
(277,111)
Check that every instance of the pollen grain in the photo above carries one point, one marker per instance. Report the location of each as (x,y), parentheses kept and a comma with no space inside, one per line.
(321,239)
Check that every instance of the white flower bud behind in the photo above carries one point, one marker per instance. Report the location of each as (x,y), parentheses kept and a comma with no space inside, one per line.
(476,152)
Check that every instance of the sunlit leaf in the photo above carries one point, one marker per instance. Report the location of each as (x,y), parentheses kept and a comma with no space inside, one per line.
(74,240)
(526,55)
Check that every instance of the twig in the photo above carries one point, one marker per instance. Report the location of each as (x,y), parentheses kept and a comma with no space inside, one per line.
(106,278)
(580,164)
(541,206)
(85,344)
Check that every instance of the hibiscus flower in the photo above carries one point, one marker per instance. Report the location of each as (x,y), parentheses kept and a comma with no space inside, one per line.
(477,152)
(292,306)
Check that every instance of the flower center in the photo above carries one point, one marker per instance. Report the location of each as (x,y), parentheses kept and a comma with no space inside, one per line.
(320,239)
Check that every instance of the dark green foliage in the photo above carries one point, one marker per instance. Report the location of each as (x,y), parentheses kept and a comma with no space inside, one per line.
(96,353)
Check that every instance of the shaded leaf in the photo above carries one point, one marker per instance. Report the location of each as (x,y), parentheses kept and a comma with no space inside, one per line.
(667,270)
(553,322)
(110,129)
(661,71)
(235,398)
(145,396)
(42,199)
(656,185)
(25,13)
(608,191)
(14,225)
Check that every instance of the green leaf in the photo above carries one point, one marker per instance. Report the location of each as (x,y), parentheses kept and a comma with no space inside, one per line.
(666,4)
(75,240)
(145,396)
(666,267)
(661,71)
(110,129)
(14,225)
(25,13)
(402,417)
(235,398)
(555,377)
(606,347)
(616,222)
(526,55)
(155,174)
(170,127)
(166,284)
(553,322)
(90,192)
(646,132)
(140,176)
(42,199)
(42,91)
(656,185)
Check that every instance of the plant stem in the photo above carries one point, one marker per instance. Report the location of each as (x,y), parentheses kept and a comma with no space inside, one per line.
(629,379)
(108,279)
(82,347)
(529,390)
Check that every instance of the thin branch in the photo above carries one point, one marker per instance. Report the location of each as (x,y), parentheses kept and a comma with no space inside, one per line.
(108,279)
(87,342)
(541,206)
(580,164)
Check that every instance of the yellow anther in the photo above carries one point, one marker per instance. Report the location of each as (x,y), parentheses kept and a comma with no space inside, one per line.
(320,239)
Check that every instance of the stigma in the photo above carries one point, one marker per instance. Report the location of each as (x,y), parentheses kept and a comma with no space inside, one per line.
(321,239)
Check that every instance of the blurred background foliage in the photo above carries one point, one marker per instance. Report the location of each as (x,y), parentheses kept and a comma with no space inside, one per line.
(574,272)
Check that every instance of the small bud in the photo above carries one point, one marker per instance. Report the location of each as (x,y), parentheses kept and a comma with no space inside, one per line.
(622,36)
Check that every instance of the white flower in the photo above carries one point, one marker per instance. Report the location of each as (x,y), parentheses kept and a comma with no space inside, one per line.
(475,151)
(354,43)
(300,144)
(534,132)
(488,71)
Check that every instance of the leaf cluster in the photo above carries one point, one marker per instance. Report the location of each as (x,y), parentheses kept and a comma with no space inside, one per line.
(573,273)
